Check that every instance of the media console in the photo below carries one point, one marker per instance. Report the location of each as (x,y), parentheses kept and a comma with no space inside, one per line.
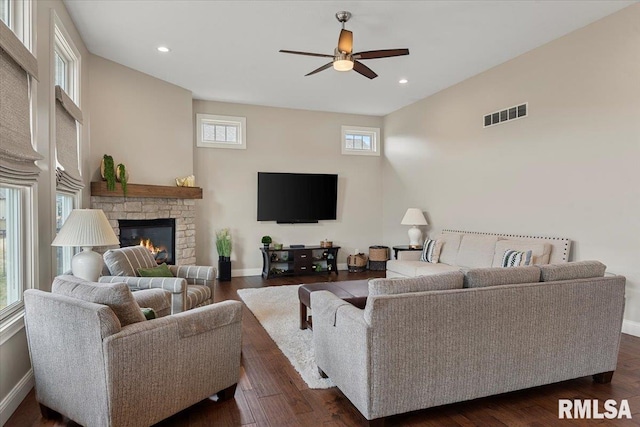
(290,261)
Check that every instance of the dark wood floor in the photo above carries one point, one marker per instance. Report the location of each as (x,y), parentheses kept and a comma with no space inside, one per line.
(271,393)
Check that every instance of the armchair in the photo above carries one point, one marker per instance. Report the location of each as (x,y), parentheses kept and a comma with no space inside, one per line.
(191,287)
(98,364)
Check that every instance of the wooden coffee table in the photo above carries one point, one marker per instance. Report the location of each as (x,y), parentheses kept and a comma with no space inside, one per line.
(352,291)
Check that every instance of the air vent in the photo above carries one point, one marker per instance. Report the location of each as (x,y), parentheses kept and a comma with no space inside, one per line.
(508,114)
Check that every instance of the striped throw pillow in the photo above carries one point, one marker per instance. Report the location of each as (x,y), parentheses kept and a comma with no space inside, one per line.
(431,251)
(513,258)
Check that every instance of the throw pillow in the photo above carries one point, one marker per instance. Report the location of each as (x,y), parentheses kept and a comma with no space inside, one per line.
(513,258)
(125,261)
(160,271)
(431,251)
(540,252)
(117,296)
(148,313)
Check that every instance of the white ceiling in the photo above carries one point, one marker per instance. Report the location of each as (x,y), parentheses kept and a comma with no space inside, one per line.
(228,50)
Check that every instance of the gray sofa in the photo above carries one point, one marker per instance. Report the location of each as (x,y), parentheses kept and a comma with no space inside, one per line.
(98,361)
(449,337)
(468,249)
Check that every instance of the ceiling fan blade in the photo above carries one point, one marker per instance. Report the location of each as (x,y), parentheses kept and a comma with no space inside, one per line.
(321,55)
(317,70)
(386,53)
(345,42)
(359,67)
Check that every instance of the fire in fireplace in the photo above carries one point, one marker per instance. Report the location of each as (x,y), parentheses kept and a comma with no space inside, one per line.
(157,235)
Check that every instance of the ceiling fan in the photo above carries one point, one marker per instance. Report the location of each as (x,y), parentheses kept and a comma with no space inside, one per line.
(343,57)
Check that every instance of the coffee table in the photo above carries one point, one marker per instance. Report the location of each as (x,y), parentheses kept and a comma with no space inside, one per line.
(352,291)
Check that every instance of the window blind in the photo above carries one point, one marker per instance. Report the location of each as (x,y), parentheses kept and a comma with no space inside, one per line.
(68,114)
(17,67)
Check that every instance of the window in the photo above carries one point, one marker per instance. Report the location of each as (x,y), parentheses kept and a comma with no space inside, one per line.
(362,141)
(221,131)
(12,250)
(66,62)
(16,14)
(5,12)
(65,203)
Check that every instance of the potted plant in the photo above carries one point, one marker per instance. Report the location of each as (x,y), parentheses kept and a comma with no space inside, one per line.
(223,245)
(266,241)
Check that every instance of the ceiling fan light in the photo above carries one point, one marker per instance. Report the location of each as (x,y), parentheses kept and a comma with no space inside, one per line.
(343,65)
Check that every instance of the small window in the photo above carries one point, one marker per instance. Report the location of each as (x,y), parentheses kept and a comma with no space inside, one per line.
(66,63)
(361,141)
(5,12)
(221,131)
(64,205)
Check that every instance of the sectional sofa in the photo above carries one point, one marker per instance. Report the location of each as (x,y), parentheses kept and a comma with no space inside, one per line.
(453,336)
(468,249)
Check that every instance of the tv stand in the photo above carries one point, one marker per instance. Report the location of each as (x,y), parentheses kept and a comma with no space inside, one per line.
(290,261)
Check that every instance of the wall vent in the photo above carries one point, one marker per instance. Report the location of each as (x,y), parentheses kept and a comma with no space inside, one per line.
(508,114)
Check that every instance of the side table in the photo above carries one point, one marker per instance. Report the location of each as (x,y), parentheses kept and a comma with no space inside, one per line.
(400,248)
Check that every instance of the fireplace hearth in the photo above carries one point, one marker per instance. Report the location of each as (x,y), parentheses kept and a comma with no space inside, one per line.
(157,235)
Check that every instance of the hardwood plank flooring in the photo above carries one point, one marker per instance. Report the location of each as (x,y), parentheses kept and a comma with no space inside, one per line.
(271,393)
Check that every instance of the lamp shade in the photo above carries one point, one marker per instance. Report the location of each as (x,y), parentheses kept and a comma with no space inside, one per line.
(414,216)
(86,228)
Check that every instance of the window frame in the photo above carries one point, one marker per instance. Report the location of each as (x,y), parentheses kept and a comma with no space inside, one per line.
(20,17)
(213,119)
(67,251)
(63,46)
(374,133)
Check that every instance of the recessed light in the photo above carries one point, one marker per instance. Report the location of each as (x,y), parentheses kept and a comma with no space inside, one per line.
(163,49)
(403,81)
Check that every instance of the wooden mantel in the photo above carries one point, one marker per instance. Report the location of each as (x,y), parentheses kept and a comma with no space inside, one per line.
(139,190)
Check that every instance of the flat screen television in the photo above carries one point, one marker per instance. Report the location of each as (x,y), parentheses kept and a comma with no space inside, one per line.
(297,197)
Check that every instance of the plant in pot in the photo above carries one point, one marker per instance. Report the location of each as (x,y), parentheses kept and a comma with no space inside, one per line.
(223,245)
(266,241)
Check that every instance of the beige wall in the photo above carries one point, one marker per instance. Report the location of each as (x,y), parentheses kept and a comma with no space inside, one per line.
(284,140)
(570,169)
(14,354)
(140,121)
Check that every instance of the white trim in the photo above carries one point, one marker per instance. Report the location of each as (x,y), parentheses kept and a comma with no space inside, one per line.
(11,326)
(630,327)
(239,122)
(15,397)
(374,133)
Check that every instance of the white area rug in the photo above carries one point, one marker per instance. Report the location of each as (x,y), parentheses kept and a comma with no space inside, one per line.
(277,310)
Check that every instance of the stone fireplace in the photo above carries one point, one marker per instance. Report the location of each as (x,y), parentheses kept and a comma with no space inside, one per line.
(146,202)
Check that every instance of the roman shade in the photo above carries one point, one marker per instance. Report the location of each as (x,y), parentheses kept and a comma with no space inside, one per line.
(17,67)
(68,114)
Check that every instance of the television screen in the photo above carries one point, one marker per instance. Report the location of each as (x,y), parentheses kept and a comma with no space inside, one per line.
(297,197)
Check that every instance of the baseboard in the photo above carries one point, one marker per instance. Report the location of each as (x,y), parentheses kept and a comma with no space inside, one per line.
(630,327)
(15,397)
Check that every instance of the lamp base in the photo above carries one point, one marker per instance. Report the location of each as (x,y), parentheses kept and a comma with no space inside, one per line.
(415,237)
(87,264)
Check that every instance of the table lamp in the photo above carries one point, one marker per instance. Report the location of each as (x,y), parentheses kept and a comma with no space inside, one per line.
(414,217)
(86,228)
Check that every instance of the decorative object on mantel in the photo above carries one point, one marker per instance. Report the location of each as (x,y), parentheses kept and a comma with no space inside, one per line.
(187,181)
(108,172)
(123,177)
(224,245)
(266,241)
(87,228)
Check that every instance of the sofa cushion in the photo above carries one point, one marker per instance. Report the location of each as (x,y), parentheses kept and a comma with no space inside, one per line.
(572,270)
(127,261)
(434,282)
(481,277)
(418,268)
(450,245)
(116,295)
(431,251)
(539,251)
(476,250)
(512,258)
